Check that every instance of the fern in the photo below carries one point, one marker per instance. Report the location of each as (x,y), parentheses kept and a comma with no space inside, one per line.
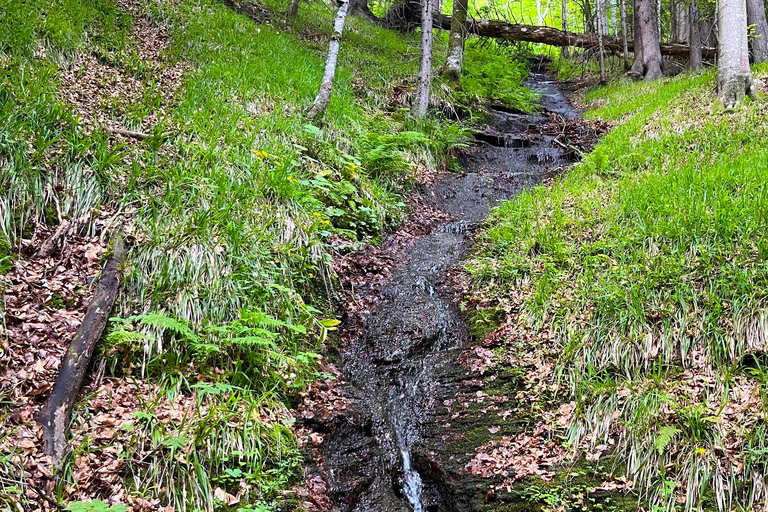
(166,323)
(665,437)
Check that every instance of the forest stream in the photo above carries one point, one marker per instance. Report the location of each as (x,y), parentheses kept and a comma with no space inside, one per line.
(387,452)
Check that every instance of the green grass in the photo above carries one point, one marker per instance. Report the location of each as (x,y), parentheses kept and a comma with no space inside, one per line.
(649,257)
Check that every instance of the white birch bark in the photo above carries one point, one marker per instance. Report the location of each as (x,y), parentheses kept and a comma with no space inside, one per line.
(600,6)
(734,78)
(424,80)
(326,86)
(542,15)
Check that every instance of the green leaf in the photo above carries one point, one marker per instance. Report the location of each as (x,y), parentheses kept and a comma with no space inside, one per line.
(329,322)
(665,437)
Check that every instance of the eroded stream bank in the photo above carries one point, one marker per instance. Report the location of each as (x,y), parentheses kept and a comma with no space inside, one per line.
(403,331)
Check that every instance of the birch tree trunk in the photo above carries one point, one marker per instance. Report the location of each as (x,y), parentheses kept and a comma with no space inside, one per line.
(424,80)
(542,15)
(623,15)
(602,17)
(456,41)
(564,7)
(600,6)
(694,36)
(734,78)
(326,86)
(756,17)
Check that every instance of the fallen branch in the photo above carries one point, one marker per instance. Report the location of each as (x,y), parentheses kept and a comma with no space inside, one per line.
(56,414)
(66,228)
(556,37)
(127,133)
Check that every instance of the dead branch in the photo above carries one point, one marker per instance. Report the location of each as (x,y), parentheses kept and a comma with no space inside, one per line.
(56,414)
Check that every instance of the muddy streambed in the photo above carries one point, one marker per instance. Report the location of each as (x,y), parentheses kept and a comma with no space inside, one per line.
(386,453)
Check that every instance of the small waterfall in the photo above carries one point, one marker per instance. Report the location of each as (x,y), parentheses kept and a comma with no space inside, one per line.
(403,414)
(412,485)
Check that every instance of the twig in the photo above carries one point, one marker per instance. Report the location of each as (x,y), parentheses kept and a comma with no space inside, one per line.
(127,133)
(47,498)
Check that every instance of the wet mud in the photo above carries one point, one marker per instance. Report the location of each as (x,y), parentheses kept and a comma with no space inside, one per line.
(398,356)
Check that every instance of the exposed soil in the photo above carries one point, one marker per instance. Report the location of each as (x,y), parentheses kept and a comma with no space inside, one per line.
(392,446)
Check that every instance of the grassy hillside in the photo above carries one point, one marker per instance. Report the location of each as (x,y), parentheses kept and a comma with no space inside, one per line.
(232,205)
(639,282)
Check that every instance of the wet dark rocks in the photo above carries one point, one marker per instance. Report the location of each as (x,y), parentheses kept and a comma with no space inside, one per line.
(403,331)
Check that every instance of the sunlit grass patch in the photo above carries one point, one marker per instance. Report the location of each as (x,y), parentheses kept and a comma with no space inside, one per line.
(648,261)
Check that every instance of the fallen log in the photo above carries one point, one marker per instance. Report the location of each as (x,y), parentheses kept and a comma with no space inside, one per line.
(56,413)
(556,37)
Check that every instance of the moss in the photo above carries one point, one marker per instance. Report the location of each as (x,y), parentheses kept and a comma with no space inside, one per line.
(6,256)
(51,215)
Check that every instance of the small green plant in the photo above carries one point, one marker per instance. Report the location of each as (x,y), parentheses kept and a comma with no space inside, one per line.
(95,506)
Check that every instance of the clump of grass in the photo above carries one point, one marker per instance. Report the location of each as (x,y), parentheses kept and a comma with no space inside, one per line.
(647,261)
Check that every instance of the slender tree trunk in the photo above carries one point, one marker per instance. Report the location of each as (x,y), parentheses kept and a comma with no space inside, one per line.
(623,15)
(564,7)
(456,41)
(756,17)
(542,16)
(424,80)
(602,17)
(673,22)
(56,414)
(683,21)
(599,5)
(734,78)
(638,65)
(293,8)
(694,37)
(326,86)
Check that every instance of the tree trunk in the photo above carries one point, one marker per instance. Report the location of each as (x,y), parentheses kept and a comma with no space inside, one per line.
(756,17)
(623,15)
(326,86)
(647,63)
(683,22)
(542,16)
(673,21)
(360,8)
(424,80)
(555,37)
(564,15)
(456,41)
(734,78)
(56,414)
(599,5)
(293,8)
(694,37)
(638,66)
(601,11)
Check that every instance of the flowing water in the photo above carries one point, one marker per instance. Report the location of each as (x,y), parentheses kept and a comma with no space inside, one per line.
(380,457)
